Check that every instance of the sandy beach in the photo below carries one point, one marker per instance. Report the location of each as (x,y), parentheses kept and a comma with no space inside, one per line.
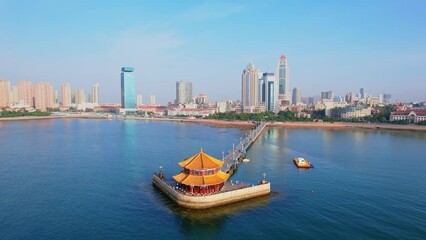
(245,124)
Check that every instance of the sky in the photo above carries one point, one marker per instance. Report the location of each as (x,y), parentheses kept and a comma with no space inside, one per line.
(330,45)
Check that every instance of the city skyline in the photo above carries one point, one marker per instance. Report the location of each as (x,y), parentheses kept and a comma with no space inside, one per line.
(335,53)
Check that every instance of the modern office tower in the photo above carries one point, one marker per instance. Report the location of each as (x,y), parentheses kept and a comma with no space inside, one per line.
(283,77)
(80,97)
(44,94)
(4,93)
(25,92)
(66,94)
(183,92)
(90,98)
(271,92)
(139,100)
(387,98)
(250,88)
(152,100)
(327,95)
(95,93)
(297,96)
(128,96)
(362,93)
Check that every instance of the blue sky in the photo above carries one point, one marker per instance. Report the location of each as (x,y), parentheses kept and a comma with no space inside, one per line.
(337,45)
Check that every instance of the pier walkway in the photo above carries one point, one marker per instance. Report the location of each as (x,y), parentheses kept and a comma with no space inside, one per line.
(237,153)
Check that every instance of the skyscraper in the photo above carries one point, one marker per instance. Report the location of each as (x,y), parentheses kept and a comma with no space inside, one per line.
(139,100)
(128,96)
(297,96)
(4,93)
(25,92)
(183,92)
(43,96)
(283,78)
(152,100)
(362,93)
(95,93)
(250,87)
(270,91)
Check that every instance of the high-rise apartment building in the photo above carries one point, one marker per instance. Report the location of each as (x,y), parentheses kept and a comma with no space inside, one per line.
(283,78)
(297,96)
(66,94)
(152,100)
(80,97)
(14,95)
(25,92)
(202,99)
(95,94)
(270,91)
(128,96)
(349,97)
(139,100)
(4,93)
(250,86)
(44,95)
(327,95)
(183,92)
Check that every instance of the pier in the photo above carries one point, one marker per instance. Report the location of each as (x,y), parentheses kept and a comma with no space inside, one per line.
(238,153)
(203,181)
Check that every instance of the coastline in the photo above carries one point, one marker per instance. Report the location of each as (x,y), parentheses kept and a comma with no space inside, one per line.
(244,124)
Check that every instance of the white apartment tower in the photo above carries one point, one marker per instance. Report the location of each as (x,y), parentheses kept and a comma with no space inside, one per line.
(250,86)
(139,100)
(95,93)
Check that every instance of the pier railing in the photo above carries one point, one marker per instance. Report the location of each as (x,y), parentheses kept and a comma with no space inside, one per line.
(235,155)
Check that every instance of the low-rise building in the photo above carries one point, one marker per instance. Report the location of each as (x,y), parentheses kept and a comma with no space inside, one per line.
(191,112)
(355,112)
(414,116)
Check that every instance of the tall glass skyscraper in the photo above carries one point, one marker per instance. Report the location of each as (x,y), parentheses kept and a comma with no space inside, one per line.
(283,78)
(271,92)
(128,95)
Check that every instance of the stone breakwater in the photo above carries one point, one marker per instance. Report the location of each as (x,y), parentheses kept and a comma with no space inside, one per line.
(213,200)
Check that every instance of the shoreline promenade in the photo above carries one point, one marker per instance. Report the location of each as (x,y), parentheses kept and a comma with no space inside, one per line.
(240,124)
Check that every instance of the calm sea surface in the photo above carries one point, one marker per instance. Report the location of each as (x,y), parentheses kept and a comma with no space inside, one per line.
(91,179)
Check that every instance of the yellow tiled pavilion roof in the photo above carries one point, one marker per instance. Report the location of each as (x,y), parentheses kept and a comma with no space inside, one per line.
(200,161)
(188,179)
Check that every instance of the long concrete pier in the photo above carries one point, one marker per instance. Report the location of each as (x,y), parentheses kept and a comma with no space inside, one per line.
(237,154)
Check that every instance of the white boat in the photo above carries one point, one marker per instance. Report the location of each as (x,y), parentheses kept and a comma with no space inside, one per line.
(246,160)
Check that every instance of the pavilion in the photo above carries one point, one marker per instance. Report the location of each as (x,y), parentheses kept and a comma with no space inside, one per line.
(201,174)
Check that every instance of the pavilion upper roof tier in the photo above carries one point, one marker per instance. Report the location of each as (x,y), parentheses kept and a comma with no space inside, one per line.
(201,161)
